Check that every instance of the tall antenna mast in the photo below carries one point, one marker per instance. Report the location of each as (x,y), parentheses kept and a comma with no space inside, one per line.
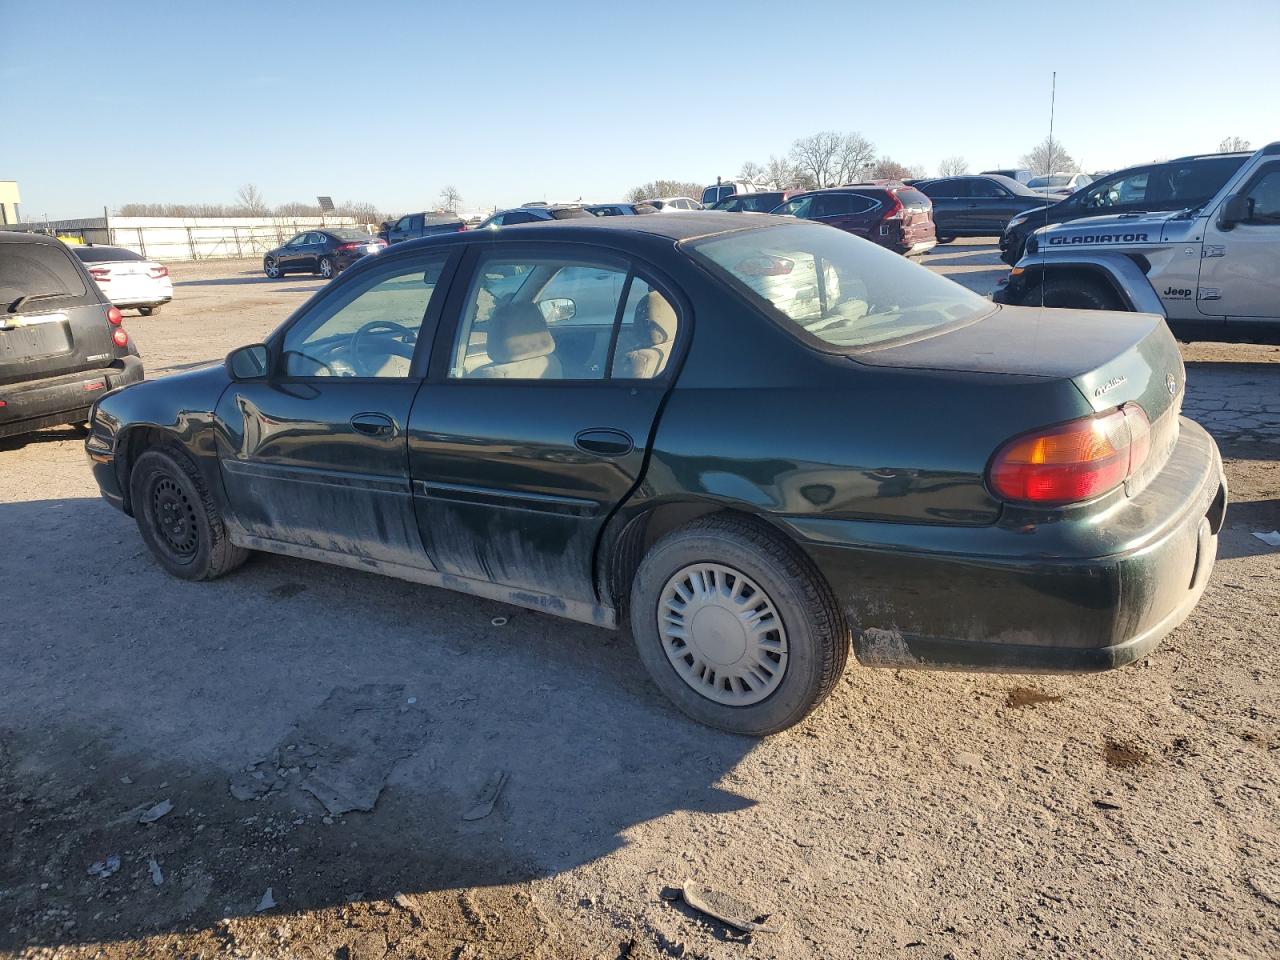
(1048,162)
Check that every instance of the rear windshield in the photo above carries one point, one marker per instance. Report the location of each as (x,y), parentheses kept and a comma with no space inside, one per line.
(913,198)
(840,290)
(105,254)
(350,234)
(569,213)
(1057,180)
(37,271)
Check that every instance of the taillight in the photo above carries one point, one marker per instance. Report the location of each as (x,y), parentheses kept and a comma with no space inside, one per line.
(1073,461)
(896,211)
(350,246)
(114,316)
(100,274)
(119,337)
(158,271)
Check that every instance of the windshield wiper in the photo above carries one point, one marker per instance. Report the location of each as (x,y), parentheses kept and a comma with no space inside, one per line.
(27,298)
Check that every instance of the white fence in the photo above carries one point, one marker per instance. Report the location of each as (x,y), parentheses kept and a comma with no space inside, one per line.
(207,238)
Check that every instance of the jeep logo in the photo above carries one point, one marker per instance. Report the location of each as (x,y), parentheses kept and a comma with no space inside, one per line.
(1177,293)
(1098,238)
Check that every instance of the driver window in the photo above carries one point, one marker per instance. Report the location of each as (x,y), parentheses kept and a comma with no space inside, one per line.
(1114,193)
(369,328)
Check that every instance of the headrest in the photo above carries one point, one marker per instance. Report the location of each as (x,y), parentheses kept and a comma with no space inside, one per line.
(655,320)
(517,331)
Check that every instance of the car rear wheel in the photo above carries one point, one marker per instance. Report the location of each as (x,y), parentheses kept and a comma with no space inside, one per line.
(148,311)
(1080,293)
(271,268)
(178,519)
(326,268)
(737,627)
(945,238)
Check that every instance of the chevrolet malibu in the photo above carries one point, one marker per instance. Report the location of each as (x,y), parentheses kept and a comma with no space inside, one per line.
(759,443)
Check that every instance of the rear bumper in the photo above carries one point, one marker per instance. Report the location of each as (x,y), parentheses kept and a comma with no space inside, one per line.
(998,599)
(53,401)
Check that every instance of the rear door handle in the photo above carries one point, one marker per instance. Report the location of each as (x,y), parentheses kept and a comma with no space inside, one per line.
(604,442)
(374,424)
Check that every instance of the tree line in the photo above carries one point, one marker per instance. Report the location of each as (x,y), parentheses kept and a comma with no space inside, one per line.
(250,203)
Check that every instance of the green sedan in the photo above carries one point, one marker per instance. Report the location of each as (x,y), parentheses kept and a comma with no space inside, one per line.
(758,444)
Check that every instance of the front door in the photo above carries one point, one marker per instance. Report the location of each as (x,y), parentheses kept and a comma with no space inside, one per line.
(316,454)
(1240,266)
(536,420)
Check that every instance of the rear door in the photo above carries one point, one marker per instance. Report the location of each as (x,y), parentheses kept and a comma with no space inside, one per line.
(850,212)
(1240,267)
(52,318)
(951,198)
(535,422)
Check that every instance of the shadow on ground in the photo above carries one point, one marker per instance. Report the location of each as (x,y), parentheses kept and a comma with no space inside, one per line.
(108,713)
(244,279)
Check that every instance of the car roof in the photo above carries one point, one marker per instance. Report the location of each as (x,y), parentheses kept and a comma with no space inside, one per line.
(11,236)
(694,223)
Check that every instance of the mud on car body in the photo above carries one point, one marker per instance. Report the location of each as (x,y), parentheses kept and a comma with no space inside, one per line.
(1212,271)
(760,443)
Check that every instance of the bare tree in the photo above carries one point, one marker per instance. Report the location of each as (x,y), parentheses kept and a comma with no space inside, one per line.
(251,201)
(450,198)
(854,157)
(814,157)
(751,172)
(665,188)
(1047,157)
(953,167)
(779,174)
(1233,145)
(887,168)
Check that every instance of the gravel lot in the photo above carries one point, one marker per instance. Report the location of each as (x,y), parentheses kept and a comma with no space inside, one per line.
(917,815)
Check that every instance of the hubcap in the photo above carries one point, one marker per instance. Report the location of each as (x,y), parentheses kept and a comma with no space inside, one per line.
(722,634)
(272,269)
(175,517)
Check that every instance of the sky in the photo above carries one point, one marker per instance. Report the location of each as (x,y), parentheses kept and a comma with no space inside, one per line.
(388,101)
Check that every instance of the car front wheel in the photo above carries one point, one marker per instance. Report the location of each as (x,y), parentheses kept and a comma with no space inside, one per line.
(1076,293)
(736,626)
(271,268)
(178,519)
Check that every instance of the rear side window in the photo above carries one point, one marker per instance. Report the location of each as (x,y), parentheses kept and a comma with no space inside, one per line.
(836,290)
(38,271)
(1196,183)
(106,254)
(947,188)
(569,213)
(840,205)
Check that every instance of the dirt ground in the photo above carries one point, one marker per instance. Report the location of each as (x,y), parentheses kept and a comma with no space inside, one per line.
(917,815)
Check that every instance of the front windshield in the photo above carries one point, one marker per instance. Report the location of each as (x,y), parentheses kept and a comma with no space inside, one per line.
(845,291)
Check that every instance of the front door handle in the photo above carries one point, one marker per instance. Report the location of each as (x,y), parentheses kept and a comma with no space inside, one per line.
(604,442)
(374,424)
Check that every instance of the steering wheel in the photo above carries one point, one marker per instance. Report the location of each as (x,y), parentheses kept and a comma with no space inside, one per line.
(381,326)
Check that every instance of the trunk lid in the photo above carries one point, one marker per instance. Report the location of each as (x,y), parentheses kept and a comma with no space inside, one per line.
(1111,358)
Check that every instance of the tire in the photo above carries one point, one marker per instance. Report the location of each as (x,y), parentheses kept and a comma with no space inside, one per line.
(811,646)
(195,545)
(326,268)
(148,311)
(272,269)
(945,238)
(1080,293)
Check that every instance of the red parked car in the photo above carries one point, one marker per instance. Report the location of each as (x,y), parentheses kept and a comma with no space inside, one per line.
(893,215)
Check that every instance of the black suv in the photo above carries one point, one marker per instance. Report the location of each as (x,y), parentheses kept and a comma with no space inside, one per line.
(61,342)
(1180,184)
(976,206)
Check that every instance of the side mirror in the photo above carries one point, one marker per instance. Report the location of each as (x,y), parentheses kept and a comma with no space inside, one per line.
(249,363)
(1235,209)
(558,308)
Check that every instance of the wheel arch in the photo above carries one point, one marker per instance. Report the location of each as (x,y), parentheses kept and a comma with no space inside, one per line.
(1124,277)
(132,442)
(628,538)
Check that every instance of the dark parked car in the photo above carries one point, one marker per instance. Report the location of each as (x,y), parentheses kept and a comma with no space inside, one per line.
(1181,184)
(761,441)
(977,206)
(619,209)
(532,214)
(762,202)
(897,217)
(62,344)
(322,252)
(414,226)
